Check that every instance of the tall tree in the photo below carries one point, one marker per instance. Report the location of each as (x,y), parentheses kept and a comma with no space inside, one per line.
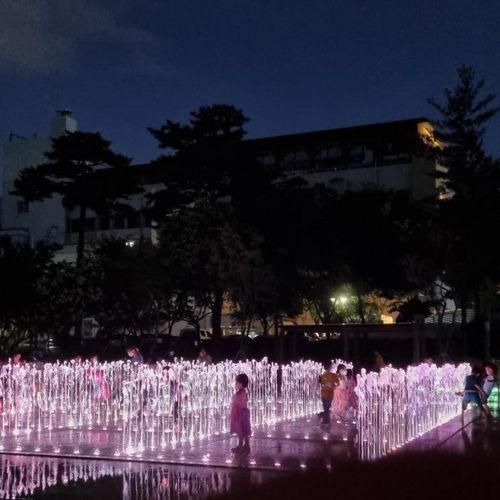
(460,130)
(206,170)
(86,173)
(469,207)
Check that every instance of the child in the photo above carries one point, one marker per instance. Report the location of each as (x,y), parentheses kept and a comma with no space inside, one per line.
(351,393)
(204,357)
(379,361)
(240,415)
(491,390)
(100,384)
(494,401)
(134,354)
(341,395)
(490,380)
(472,391)
(328,382)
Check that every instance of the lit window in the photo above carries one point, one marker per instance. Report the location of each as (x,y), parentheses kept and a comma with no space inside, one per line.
(130,243)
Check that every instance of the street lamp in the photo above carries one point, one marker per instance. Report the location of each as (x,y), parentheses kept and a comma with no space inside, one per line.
(342,299)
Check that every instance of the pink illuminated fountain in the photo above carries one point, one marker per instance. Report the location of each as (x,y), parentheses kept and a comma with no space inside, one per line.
(396,406)
(149,409)
(153,406)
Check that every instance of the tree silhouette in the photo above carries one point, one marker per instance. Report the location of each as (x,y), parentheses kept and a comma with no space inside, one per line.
(469,207)
(40,296)
(209,177)
(86,173)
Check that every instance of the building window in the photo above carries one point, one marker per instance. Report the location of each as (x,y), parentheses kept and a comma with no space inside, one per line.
(23,207)
(296,160)
(330,153)
(356,154)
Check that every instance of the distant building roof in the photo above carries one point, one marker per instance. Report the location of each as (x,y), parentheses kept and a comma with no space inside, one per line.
(402,134)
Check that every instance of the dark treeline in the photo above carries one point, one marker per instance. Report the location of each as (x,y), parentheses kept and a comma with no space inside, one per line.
(232,231)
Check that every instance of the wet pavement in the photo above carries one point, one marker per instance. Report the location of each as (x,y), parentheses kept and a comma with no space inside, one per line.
(290,445)
(297,450)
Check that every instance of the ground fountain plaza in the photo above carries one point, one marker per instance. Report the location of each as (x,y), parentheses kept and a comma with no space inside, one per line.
(178,412)
(397,406)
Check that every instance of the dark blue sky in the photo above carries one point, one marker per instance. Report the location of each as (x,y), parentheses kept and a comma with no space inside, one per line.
(291,65)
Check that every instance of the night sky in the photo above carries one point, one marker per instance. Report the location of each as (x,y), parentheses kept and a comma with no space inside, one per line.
(292,66)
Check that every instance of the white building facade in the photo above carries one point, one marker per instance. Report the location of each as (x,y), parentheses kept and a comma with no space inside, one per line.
(37,221)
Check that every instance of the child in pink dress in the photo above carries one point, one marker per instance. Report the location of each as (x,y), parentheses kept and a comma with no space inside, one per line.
(240,415)
(341,394)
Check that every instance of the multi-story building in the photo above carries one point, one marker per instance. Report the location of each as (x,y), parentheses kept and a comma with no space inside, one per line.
(389,155)
(386,155)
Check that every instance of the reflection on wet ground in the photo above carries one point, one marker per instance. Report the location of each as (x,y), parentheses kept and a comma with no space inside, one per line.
(296,447)
(24,476)
(70,460)
(480,438)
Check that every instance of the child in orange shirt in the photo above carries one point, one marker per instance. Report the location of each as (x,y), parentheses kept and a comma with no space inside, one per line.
(328,382)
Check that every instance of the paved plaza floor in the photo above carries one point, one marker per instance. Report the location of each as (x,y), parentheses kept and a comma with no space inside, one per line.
(290,445)
(293,459)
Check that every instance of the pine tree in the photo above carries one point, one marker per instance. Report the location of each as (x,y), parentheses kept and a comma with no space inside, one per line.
(469,208)
(86,173)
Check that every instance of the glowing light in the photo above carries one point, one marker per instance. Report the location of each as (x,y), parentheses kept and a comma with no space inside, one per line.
(396,406)
(152,406)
